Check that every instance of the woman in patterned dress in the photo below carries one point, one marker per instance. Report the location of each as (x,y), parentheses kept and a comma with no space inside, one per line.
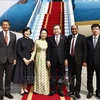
(42,78)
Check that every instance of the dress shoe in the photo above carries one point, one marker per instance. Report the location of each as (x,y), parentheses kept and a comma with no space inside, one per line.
(26,91)
(1,97)
(9,96)
(89,95)
(77,95)
(98,95)
(70,93)
(60,93)
(22,93)
(52,93)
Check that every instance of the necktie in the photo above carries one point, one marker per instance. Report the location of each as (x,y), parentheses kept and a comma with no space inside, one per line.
(94,44)
(6,37)
(72,47)
(57,42)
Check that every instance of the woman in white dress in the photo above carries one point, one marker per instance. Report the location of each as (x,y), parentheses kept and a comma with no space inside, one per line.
(42,77)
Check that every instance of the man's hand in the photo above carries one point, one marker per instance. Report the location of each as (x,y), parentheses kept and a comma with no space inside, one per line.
(84,64)
(66,63)
(48,64)
(14,62)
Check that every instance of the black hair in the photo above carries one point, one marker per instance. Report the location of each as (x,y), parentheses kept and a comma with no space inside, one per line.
(57,25)
(43,29)
(25,29)
(5,20)
(74,25)
(95,25)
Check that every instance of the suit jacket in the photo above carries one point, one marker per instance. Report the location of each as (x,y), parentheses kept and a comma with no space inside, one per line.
(80,50)
(93,55)
(7,52)
(57,53)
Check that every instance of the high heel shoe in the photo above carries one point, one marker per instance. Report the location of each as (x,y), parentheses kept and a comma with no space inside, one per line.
(26,91)
(22,92)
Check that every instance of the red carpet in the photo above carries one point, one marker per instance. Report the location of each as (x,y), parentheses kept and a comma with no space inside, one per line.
(34,96)
(55,15)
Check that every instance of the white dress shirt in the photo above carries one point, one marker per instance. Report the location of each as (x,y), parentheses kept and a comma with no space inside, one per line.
(58,36)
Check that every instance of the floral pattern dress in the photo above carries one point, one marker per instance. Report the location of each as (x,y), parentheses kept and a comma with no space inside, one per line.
(42,77)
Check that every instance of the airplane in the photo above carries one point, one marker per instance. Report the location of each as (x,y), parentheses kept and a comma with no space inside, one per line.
(86,12)
(19,13)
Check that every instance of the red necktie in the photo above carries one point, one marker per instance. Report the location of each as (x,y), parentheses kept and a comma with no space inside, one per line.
(6,37)
(72,48)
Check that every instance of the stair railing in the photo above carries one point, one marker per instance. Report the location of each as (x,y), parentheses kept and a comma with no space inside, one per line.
(35,12)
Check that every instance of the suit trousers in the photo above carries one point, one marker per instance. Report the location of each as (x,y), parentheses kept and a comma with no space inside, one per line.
(7,68)
(74,73)
(90,72)
(57,75)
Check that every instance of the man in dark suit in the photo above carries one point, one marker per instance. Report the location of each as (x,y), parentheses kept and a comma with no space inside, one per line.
(93,60)
(7,57)
(57,55)
(77,59)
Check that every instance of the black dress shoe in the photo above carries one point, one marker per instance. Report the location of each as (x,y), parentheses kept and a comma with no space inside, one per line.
(98,95)
(77,95)
(26,93)
(89,95)
(1,97)
(70,93)
(52,93)
(60,93)
(9,96)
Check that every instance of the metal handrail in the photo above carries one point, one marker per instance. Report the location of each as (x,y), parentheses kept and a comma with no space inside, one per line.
(35,12)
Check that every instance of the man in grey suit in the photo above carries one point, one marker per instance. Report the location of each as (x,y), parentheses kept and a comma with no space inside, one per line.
(77,59)
(93,60)
(7,57)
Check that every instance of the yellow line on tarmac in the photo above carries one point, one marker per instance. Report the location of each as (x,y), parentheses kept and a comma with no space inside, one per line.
(30,94)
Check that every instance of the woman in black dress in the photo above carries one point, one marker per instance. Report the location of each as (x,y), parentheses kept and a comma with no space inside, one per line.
(24,71)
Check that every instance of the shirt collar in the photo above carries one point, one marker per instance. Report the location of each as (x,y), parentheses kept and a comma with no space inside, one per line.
(57,36)
(75,36)
(95,36)
(7,32)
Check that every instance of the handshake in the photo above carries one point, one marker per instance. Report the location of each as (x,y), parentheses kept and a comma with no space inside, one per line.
(26,61)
